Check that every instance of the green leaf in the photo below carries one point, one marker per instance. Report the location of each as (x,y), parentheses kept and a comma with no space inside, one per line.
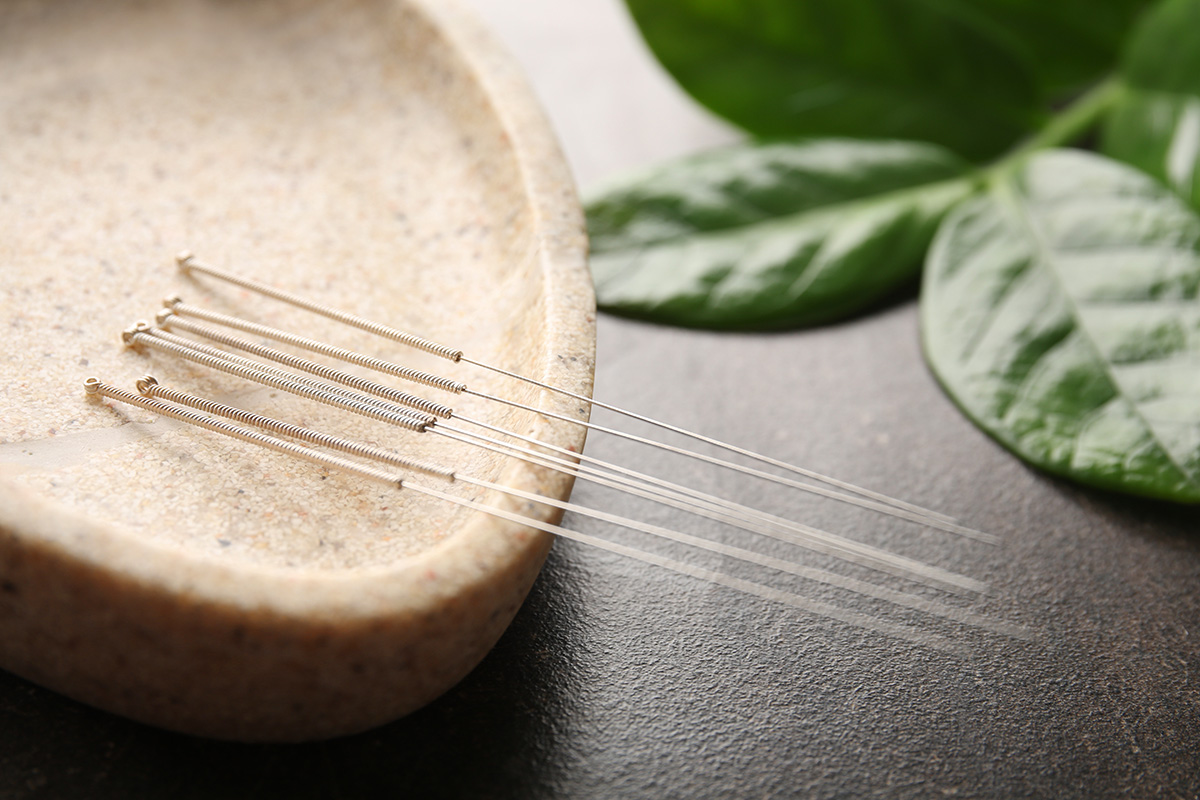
(771,234)
(1059,310)
(1067,44)
(973,75)
(1156,126)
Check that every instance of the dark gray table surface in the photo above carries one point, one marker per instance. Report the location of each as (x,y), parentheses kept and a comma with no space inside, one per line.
(618,679)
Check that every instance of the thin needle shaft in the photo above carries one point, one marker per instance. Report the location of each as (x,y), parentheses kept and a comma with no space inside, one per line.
(810,474)
(149,387)
(719,510)
(853,618)
(630,481)
(188,263)
(174,316)
(150,400)
(939,522)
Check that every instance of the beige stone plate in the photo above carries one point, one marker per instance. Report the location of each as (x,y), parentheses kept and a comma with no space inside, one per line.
(380,155)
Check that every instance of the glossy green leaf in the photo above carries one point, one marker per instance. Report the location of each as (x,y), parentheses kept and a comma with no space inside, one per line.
(973,75)
(1060,309)
(771,234)
(1156,126)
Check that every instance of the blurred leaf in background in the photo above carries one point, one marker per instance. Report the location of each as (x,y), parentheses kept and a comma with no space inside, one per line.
(973,75)
(1059,306)
(771,234)
(1156,124)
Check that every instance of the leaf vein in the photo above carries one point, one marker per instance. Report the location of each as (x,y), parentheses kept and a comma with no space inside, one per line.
(1045,258)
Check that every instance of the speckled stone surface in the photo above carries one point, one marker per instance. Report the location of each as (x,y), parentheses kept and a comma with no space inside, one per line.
(382,157)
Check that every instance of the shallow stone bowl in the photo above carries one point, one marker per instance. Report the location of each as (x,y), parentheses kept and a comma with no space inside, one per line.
(381,156)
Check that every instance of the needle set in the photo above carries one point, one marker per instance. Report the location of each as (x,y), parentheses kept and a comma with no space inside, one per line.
(219,341)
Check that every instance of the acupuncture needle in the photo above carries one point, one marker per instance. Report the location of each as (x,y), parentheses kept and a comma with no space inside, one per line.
(150,389)
(176,313)
(148,386)
(95,387)
(187,263)
(700,504)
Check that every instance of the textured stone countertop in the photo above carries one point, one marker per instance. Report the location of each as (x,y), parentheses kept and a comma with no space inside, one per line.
(620,680)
